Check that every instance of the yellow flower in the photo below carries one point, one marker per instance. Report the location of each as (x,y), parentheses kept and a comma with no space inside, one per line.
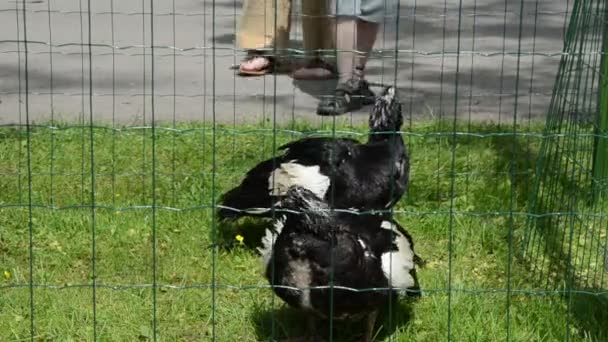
(239,238)
(7,275)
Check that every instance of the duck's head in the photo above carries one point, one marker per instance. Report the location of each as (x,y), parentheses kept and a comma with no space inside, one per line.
(386,114)
(301,201)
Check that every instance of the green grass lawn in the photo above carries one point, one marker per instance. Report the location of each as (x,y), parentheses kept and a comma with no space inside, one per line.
(472,255)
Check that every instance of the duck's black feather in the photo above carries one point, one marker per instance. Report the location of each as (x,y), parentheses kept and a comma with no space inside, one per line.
(317,247)
(362,176)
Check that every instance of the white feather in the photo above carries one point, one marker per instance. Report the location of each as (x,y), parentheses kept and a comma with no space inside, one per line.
(397,265)
(292,173)
(387,225)
(269,238)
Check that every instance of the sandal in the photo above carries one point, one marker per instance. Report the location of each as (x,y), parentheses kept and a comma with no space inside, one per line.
(349,96)
(315,69)
(259,64)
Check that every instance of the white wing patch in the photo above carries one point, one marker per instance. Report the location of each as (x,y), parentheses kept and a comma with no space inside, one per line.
(269,238)
(292,173)
(397,265)
(388,225)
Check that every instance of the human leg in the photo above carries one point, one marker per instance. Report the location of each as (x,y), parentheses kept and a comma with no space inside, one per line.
(366,37)
(318,39)
(352,91)
(356,30)
(263,29)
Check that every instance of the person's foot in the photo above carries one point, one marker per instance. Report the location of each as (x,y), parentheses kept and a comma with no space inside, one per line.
(256,64)
(315,69)
(349,96)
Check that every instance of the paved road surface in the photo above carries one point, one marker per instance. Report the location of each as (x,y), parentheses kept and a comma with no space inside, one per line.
(427,42)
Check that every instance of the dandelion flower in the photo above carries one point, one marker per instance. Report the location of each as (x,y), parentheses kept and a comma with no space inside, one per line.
(239,238)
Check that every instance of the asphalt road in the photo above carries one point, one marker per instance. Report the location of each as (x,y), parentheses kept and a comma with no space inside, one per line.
(505,62)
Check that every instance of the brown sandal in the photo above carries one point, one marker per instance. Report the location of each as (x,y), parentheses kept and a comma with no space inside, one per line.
(315,69)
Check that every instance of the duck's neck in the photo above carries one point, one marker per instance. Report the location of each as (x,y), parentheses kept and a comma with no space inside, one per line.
(382,135)
(314,224)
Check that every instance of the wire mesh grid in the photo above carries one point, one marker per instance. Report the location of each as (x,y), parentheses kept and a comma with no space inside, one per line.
(569,194)
(123,123)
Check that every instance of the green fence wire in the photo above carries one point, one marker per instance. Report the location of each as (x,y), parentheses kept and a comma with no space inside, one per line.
(567,245)
(121,128)
(600,163)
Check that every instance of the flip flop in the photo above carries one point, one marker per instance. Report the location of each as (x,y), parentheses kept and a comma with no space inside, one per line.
(265,65)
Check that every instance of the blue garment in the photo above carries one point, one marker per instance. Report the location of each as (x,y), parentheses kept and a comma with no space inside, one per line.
(369,10)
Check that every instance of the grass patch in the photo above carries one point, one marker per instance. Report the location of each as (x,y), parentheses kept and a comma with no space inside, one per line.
(474,249)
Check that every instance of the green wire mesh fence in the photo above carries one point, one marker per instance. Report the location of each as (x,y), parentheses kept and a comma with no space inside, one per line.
(122,123)
(566,240)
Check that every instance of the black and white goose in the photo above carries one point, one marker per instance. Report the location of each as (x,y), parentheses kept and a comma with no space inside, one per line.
(344,172)
(310,246)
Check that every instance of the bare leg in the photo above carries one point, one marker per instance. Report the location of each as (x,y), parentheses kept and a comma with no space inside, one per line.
(355,40)
(318,63)
(263,26)
(316,28)
(346,44)
(353,91)
(369,326)
(366,37)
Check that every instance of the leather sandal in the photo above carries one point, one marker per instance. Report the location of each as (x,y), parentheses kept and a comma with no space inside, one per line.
(315,69)
(349,96)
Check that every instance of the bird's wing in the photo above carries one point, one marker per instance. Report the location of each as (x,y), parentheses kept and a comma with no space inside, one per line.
(307,143)
(319,151)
